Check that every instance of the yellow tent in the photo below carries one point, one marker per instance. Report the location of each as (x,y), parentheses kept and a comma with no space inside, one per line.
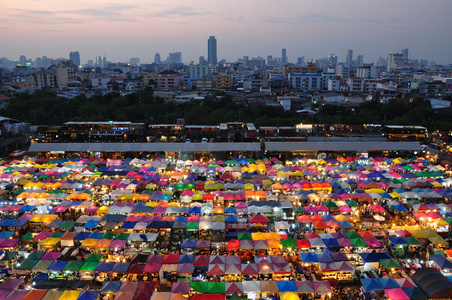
(274,244)
(89,243)
(272,236)
(50,242)
(102,210)
(70,295)
(288,296)
(257,236)
(103,244)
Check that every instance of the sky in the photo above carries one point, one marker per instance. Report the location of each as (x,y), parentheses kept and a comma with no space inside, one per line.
(140,28)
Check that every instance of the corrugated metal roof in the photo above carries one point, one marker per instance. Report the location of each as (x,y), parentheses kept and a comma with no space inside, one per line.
(342,146)
(144,147)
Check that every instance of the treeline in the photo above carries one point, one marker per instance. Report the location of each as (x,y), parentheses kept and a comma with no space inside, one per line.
(46,108)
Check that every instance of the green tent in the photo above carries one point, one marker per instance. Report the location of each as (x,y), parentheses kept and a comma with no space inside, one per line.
(390,263)
(200,287)
(244,236)
(352,235)
(215,287)
(299,209)
(411,240)
(94,257)
(73,265)
(192,225)
(352,203)
(109,235)
(57,234)
(67,224)
(89,266)
(9,255)
(330,204)
(42,266)
(123,236)
(289,243)
(27,237)
(180,186)
(231,162)
(36,255)
(27,264)
(358,242)
(235,296)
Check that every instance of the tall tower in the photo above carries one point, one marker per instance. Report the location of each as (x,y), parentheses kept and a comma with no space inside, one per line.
(283,57)
(349,59)
(157,59)
(359,60)
(332,60)
(405,53)
(212,50)
(75,58)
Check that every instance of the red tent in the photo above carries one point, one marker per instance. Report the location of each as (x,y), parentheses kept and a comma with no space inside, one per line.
(259,219)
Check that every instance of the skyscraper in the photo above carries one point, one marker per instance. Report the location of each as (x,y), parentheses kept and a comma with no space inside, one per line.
(332,60)
(283,57)
(349,59)
(212,50)
(359,60)
(75,58)
(157,58)
(23,60)
(405,53)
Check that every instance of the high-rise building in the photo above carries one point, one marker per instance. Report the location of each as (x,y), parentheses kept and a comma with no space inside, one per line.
(283,57)
(300,61)
(202,60)
(157,59)
(395,60)
(359,60)
(75,58)
(135,61)
(349,59)
(212,50)
(332,60)
(174,58)
(405,53)
(23,60)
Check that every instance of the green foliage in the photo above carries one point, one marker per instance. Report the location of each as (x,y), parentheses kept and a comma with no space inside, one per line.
(46,108)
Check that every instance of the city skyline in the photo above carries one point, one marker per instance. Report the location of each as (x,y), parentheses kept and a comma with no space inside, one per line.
(258,28)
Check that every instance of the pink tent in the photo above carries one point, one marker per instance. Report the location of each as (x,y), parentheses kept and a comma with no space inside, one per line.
(396,294)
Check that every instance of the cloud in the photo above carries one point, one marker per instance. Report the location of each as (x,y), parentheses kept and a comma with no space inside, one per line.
(179,12)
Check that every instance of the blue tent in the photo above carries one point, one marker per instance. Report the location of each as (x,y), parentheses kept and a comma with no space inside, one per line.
(287,286)
(6,223)
(388,282)
(331,242)
(88,295)
(189,259)
(6,234)
(414,293)
(324,257)
(96,235)
(180,219)
(374,257)
(399,207)
(371,284)
(19,223)
(91,224)
(230,219)
(188,244)
(58,265)
(111,286)
(82,236)
(397,241)
(120,267)
(230,210)
(28,208)
(104,266)
(195,210)
(345,224)
(309,257)
(441,261)
(128,225)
